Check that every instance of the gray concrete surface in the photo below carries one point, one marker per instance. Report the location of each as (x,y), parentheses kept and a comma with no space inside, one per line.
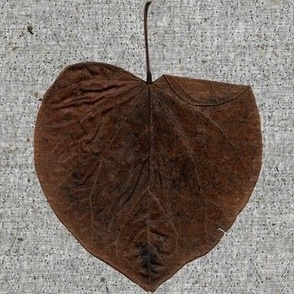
(245,42)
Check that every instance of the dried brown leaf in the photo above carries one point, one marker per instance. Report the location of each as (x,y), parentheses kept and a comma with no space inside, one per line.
(147,176)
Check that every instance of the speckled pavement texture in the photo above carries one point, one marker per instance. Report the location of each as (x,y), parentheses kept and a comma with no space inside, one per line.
(243,42)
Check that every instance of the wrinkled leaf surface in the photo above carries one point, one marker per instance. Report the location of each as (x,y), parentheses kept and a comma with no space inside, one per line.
(147,177)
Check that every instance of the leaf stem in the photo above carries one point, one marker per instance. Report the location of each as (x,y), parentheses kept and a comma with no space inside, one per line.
(149,75)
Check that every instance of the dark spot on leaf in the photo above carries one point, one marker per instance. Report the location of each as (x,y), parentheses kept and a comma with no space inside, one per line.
(150,262)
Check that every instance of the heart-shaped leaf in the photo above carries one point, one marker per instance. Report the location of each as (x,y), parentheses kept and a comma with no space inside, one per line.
(146,175)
